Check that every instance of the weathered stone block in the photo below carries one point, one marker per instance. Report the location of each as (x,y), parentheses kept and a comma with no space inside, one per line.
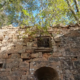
(29,50)
(77,77)
(18,47)
(14,56)
(3,48)
(0,55)
(51,59)
(40,54)
(13,63)
(24,77)
(25,55)
(4,55)
(29,44)
(18,73)
(67,64)
(1,36)
(34,45)
(36,55)
(24,65)
(77,64)
(13,77)
(4,78)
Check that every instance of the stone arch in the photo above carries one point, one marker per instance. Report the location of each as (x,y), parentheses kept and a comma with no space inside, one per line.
(46,73)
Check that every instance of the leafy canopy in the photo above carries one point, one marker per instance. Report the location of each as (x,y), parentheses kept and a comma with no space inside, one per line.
(41,13)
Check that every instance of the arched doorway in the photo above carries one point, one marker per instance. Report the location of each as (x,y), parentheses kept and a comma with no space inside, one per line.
(46,73)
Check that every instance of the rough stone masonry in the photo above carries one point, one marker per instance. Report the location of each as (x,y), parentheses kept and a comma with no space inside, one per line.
(54,57)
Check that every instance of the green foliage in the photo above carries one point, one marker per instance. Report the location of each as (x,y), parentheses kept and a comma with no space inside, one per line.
(25,12)
(49,12)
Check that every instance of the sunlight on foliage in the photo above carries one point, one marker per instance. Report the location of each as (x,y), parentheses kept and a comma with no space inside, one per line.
(43,13)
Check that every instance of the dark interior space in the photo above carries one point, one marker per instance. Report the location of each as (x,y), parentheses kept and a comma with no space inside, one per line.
(1,65)
(46,73)
(43,42)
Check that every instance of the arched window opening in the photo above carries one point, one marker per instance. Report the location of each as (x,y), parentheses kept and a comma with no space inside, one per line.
(46,73)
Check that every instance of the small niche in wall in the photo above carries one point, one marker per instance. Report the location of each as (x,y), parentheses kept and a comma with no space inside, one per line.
(43,41)
(25,59)
(44,44)
(9,55)
(75,57)
(1,65)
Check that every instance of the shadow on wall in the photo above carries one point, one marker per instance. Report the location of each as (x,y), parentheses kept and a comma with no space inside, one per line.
(12,45)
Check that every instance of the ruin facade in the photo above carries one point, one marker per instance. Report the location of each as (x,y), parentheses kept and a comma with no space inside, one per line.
(43,57)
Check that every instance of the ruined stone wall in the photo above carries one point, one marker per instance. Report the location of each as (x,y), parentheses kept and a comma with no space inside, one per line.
(20,57)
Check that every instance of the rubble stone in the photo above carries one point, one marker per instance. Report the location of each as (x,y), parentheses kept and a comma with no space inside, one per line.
(20,55)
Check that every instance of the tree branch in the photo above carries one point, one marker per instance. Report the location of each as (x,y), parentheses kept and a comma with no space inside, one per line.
(3,5)
(72,11)
(75,1)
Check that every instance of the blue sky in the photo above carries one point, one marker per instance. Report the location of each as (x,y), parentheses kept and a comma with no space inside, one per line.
(35,12)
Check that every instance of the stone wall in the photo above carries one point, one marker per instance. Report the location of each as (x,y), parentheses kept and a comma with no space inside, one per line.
(20,57)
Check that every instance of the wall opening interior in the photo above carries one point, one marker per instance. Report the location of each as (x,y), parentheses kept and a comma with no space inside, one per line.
(9,55)
(1,65)
(25,59)
(43,42)
(46,73)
